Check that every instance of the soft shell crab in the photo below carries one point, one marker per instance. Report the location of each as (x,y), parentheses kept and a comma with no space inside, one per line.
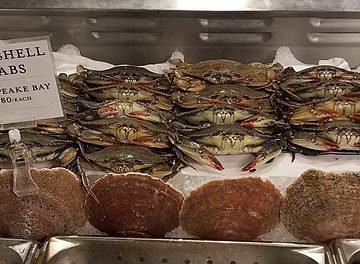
(127,158)
(129,93)
(120,108)
(55,151)
(336,109)
(110,131)
(324,73)
(331,136)
(120,75)
(311,93)
(193,77)
(222,114)
(234,139)
(232,94)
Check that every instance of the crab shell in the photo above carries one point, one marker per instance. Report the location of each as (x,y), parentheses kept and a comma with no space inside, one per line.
(133,204)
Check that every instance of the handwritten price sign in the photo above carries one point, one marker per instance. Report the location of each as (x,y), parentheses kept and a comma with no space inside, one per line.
(28,87)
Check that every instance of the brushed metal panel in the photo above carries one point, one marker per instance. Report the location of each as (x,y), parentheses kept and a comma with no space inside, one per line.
(17,251)
(109,250)
(189,5)
(334,38)
(125,38)
(234,38)
(347,251)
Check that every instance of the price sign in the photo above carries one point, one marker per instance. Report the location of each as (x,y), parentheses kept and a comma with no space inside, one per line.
(28,87)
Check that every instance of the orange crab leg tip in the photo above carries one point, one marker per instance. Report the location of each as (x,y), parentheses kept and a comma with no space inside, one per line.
(215,163)
(216,101)
(249,166)
(330,145)
(352,94)
(355,116)
(244,104)
(142,141)
(327,111)
(218,165)
(248,122)
(146,100)
(138,113)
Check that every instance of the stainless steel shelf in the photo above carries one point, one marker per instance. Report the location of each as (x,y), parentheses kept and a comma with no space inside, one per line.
(188,5)
(148,31)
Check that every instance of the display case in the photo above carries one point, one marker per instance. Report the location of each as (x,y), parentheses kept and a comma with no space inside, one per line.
(143,32)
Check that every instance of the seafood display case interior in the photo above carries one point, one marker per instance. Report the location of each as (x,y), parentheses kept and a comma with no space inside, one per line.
(232,108)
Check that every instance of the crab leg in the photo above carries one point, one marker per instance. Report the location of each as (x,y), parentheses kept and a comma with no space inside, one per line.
(271,150)
(302,115)
(91,136)
(197,152)
(159,141)
(259,120)
(316,143)
(352,94)
(355,116)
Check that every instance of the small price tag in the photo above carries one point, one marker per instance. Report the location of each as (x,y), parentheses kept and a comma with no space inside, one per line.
(28,86)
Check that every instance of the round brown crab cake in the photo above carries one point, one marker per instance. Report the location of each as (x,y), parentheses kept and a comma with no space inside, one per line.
(231,209)
(133,204)
(321,206)
(56,209)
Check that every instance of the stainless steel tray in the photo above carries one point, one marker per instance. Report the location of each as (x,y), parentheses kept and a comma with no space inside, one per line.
(79,250)
(17,251)
(347,251)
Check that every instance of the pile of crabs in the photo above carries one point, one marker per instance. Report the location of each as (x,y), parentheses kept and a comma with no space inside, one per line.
(130,119)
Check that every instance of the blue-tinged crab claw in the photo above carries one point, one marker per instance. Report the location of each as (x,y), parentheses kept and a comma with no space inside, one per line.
(197,152)
(271,150)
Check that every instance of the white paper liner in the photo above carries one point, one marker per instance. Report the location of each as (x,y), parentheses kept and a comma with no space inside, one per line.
(281,172)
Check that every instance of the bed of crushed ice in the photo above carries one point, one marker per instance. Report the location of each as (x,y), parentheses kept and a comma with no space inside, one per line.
(281,172)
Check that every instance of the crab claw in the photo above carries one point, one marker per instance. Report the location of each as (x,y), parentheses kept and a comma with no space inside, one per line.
(152,142)
(157,102)
(105,111)
(303,115)
(91,136)
(198,152)
(246,103)
(267,153)
(259,121)
(146,116)
(325,111)
(314,142)
(327,144)
(355,116)
(352,94)
(139,114)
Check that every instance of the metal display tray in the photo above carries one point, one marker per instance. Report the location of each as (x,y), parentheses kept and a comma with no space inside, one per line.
(17,251)
(79,250)
(347,251)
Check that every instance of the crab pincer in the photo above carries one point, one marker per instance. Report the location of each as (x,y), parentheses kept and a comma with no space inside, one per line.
(355,116)
(197,152)
(319,114)
(271,150)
